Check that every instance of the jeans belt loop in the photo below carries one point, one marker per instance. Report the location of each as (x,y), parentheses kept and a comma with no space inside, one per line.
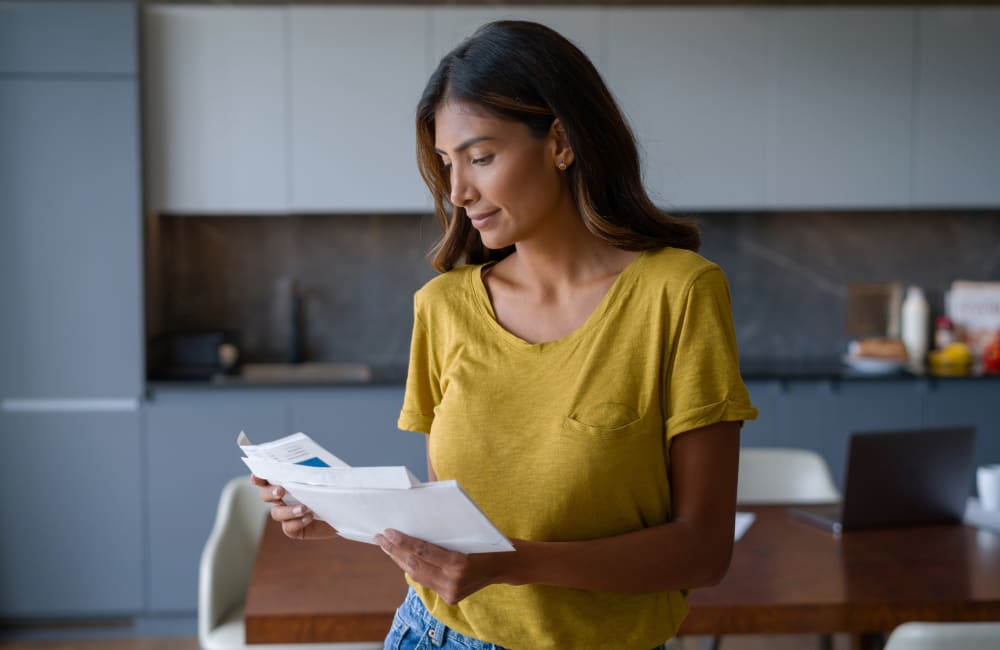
(438,633)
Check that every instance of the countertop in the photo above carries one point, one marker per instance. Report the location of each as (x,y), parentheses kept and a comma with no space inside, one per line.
(376,375)
(395,375)
(831,369)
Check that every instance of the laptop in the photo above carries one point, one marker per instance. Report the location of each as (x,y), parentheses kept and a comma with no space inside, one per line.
(900,478)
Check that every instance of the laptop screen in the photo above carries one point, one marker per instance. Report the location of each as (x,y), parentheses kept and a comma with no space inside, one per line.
(909,477)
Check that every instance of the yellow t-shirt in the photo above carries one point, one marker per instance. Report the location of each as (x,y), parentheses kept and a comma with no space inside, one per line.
(569,439)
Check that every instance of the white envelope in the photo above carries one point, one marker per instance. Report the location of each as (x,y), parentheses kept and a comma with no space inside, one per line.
(343,477)
(363,501)
(440,513)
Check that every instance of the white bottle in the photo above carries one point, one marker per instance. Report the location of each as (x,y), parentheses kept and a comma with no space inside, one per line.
(915,326)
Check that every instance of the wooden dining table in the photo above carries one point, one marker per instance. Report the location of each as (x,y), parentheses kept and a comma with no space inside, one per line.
(786,576)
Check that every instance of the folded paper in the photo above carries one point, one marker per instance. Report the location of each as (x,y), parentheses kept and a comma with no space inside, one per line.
(360,502)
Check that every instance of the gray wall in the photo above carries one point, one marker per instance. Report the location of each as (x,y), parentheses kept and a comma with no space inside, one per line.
(788,273)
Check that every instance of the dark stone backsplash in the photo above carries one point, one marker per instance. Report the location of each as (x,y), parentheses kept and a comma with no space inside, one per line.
(788,273)
(357,275)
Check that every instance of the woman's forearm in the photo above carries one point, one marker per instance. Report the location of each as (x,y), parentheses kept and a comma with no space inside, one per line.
(677,555)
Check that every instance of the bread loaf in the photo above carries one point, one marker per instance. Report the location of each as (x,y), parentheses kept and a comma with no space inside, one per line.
(880,348)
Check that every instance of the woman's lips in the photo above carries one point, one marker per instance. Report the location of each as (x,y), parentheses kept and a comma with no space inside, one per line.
(480,219)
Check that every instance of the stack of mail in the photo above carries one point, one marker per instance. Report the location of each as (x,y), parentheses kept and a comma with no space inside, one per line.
(360,502)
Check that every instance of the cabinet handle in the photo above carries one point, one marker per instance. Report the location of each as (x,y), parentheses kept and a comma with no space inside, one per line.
(64,405)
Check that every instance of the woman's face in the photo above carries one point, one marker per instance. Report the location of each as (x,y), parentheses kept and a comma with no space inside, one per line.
(505,178)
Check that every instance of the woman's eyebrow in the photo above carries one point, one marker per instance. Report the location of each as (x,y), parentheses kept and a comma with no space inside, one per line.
(465,145)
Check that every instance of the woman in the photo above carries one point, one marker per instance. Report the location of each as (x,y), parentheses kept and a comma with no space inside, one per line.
(577,375)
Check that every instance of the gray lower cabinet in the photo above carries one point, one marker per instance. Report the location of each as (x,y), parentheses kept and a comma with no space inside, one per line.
(72,542)
(967,402)
(190,454)
(871,406)
(359,426)
(820,414)
(764,395)
(806,418)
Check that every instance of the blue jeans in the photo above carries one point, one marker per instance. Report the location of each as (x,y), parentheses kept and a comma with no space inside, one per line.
(413,628)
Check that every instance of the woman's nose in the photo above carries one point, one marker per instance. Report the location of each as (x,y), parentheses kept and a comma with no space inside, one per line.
(462,192)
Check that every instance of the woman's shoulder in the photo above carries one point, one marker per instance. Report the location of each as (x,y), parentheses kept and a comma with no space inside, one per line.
(678,265)
(446,285)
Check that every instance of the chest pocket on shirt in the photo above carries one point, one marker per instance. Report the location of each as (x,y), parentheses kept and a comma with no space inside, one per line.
(603,420)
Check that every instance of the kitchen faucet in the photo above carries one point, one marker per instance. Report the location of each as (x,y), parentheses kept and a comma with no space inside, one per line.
(297,323)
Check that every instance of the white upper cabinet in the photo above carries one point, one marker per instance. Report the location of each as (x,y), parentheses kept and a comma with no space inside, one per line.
(693,85)
(767,108)
(216,109)
(957,142)
(356,77)
(842,108)
(310,109)
(451,25)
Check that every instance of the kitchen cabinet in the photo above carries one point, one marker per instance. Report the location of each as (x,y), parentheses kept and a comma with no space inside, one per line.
(72,534)
(957,128)
(820,414)
(216,102)
(967,402)
(806,418)
(584,26)
(869,406)
(756,108)
(70,252)
(765,395)
(843,100)
(694,86)
(300,109)
(190,446)
(310,109)
(67,38)
(359,426)
(356,75)
(71,332)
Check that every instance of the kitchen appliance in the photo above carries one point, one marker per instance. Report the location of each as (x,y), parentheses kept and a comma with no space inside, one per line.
(194,355)
(873,309)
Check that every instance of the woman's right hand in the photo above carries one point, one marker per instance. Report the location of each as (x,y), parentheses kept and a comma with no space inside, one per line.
(297,521)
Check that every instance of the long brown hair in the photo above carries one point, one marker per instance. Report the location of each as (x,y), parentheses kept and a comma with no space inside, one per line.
(528,73)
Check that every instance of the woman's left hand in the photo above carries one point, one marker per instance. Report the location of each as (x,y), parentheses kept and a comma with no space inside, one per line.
(452,575)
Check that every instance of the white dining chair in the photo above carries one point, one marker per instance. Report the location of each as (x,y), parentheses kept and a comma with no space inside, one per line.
(773,475)
(770,475)
(935,636)
(224,574)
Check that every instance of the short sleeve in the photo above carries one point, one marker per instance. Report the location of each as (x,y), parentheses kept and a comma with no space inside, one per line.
(703,384)
(422,379)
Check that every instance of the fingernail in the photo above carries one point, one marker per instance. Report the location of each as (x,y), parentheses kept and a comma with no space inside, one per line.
(307,520)
(297,510)
(392,535)
(274,492)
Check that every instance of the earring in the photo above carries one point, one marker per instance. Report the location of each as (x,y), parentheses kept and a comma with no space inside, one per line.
(561,166)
